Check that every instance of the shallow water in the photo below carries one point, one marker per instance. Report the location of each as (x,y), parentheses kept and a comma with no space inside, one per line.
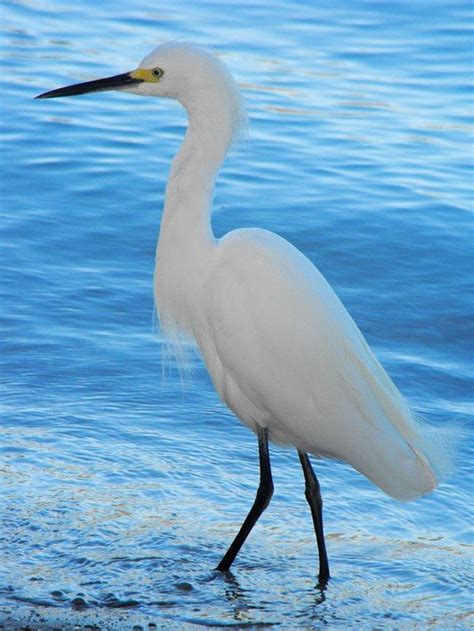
(121,484)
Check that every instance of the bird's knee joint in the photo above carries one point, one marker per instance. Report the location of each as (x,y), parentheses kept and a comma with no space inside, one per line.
(312,492)
(264,494)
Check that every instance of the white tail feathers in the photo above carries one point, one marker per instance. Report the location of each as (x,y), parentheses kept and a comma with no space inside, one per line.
(438,445)
(415,463)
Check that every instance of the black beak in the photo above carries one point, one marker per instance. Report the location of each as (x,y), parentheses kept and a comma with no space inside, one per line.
(100,85)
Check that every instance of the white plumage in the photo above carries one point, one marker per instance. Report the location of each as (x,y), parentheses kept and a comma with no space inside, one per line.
(281,349)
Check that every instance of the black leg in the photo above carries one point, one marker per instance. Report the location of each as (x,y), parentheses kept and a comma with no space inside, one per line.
(313,495)
(262,500)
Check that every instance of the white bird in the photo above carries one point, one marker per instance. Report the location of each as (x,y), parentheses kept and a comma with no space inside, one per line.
(282,351)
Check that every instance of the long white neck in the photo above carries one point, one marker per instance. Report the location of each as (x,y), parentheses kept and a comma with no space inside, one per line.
(189,193)
(186,241)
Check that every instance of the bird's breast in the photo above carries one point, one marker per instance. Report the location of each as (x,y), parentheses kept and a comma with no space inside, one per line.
(179,279)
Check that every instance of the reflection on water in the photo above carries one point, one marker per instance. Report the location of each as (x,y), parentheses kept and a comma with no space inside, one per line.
(123,483)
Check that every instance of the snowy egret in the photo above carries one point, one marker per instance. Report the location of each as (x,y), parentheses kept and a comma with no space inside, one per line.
(282,351)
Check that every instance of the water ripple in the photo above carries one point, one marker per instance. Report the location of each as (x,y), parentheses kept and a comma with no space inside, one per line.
(123,480)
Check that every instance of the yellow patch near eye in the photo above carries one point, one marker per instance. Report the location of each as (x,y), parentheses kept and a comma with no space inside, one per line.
(144,75)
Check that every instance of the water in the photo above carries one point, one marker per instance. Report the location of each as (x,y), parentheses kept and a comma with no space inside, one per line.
(121,487)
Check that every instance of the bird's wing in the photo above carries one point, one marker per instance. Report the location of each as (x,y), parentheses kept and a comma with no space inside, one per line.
(287,344)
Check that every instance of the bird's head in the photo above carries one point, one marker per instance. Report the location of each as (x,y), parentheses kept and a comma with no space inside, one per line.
(179,71)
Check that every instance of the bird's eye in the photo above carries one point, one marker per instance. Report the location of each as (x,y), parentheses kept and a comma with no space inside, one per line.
(157,73)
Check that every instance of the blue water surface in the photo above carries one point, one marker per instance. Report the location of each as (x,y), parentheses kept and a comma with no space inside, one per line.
(122,481)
